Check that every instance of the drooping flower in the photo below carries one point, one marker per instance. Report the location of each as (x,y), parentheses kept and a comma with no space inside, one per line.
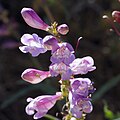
(41,104)
(35,76)
(33,44)
(63,29)
(33,20)
(82,65)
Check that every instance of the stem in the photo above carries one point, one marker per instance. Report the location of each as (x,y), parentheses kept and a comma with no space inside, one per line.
(50,117)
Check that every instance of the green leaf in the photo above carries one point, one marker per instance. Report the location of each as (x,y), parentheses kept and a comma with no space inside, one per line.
(108,113)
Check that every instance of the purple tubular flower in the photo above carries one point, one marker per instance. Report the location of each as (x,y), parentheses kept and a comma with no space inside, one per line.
(82,65)
(63,29)
(79,106)
(35,76)
(62,53)
(33,20)
(33,44)
(80,89)
(41,104)
(62,69)
(81,86)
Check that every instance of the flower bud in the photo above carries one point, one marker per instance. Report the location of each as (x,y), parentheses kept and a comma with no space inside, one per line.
(34,76)
(33,20)
(63,29)
(116,16)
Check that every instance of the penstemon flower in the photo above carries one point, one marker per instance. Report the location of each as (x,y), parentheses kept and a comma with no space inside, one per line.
(62,69)
(82,65)
(77,91)
(62,52)
(80,89)
(33,44)
(41,104)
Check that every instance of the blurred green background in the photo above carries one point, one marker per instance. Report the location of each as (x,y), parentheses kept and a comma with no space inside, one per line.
(84,18)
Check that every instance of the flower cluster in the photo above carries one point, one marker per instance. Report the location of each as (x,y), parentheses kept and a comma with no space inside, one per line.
(63,62)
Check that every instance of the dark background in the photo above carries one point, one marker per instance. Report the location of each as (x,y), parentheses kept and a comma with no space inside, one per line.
(84,18)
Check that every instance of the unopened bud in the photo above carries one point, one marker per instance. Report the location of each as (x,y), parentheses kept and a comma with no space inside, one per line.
(116,16)
(33,20)
(63,29)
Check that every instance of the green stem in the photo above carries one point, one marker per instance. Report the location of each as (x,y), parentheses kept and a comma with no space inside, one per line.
(50,117)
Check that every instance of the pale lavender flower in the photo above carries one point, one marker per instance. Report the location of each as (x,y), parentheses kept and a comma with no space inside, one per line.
(33,44)
(62,69)
(33,20)
(82,65)
(81,86)
(41,104)
(79,105)
(63,29)
(35,76)
(80,89)
(62,52)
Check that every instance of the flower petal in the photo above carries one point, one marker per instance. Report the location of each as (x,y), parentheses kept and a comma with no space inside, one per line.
(87,107)
(26,38)
(50,41)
